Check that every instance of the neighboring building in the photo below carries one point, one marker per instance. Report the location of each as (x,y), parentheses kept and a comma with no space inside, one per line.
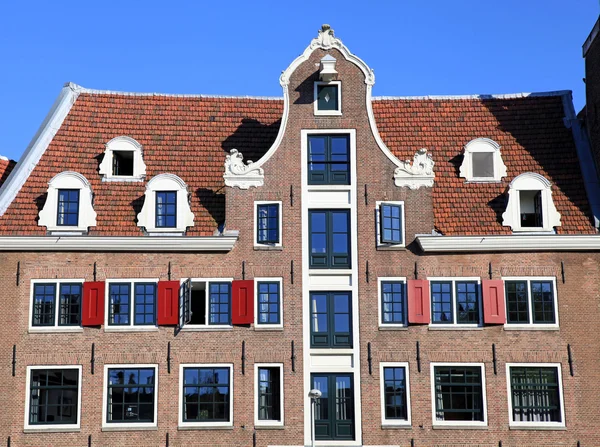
(151,297)
(591,112)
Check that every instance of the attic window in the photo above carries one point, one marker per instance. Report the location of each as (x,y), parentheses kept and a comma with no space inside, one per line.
(482,161)
(328,99)
(531,209)
(123,160)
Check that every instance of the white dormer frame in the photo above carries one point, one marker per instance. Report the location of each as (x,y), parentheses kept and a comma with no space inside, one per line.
(530,181)
(147,216)
(336,112)
(482,145)
(49,214)
(123,144)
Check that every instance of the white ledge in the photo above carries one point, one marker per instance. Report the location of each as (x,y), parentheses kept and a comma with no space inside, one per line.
(105,243)
(530,242)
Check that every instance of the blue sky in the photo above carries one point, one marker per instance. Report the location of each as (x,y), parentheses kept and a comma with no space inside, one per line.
(428,47)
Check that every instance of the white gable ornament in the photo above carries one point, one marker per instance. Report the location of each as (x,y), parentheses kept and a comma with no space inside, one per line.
(419,173)
(242,175)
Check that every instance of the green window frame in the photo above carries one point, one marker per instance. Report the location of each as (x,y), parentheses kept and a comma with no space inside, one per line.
(328,159)
(330,319)
(329,238)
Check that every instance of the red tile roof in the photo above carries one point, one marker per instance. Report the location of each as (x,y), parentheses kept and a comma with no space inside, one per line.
(190,136)
(6,166)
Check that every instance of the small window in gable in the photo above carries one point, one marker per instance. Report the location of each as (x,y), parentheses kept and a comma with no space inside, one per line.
(123,160)
(530,206)
(328,99)
(166,206)
(68,207)
(390,224)
(482,161)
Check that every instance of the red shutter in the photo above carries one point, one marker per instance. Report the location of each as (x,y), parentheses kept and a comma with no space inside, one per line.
(242,302)
(168,303)
(493,301)
(418,301)
(92,312)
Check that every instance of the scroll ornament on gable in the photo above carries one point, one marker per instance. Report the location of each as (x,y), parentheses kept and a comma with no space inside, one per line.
(419,173)
(239,174)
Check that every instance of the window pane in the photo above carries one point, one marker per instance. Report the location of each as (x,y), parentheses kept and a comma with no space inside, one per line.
(542,294)
(327,97)
(395,393)
(268,394)
(268,303)
(392,305)
(43,304)
(145,304)
(206,394)
(219,303)
(53,396)
(390,223)
(130,395)
(467,302)
(166,209)
(458,393)
(441,300)
(535,394)
(328,158)
(69,311)
(517,311)
(331,319)
(68,207)
(483,164)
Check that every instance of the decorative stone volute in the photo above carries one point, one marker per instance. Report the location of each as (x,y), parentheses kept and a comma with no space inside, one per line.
(239,174)
(419,173)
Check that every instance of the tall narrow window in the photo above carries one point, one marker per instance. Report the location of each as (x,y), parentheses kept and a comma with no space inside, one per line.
(268,302)
(458,394)
(328,160)
(44,298)
(329,242)
(220,303)
(390,224)
(131,395)
(267,224)
(530,302)
(531,209)
(395,391)
(69,312)
(118,304)
(206,395)
(68,207)
(145,303)
(331,320)
(166,209)
(54,396)
(393,303)
(269,393)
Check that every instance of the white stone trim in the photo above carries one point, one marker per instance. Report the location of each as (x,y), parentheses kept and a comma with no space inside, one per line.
(255,226)
(530,181)
(51,427)
(269,423)
(201,425)
(537,425)
(509,243)
(416,174)
(531,324)
(338,111)
(268,326)
(454,324)
(86,213)
(484,145)
(460,424)
(123,144)
(117,426)
(55,328)
(383,325)
(131,327)
(383,245)
(147,216)
(394,422)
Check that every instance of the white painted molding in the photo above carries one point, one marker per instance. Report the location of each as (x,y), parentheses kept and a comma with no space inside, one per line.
(147,216)
(530,181)
(242,175)
(480,145)
(110,244)
(86,213)
(123,143)
(509,243)
(419,173)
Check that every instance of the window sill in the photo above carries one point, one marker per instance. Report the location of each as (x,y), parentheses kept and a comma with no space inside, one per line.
(459,427)
(269,427)
(266,328)
(206,328)
(529,327)
(205,427)
(391,247)
(268,247)
(483,180)
(52,430)
(455,327)
(127,179)
(393,328)
(55,330)
(130,329)
(405,426)
(328,113)
(537,427)
(130,427)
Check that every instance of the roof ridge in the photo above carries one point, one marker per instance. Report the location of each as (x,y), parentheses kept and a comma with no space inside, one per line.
(481,96)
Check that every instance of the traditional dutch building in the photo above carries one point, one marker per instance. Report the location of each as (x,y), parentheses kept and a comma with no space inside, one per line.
(430,265)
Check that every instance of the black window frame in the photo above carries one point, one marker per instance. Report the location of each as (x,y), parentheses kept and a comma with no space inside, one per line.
(68,304)
(457,317)
(398,298)
(132,304)
(330,338)
(227,403)
(273,298)
(328,175)
(330,259)
(165,215)
(268,404)
(521,302)
(263,234)
(152,304)
(319,87)
(57,306)
(388,221)
(329,403)
(128,385)
(445,387)
(535,390)
(50,390)
(399,387)
(67,213)
(219,302)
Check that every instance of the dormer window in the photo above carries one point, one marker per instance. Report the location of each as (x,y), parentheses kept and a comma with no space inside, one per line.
(68,208)
(482,161)
(530,206)
(166,209)
(123,160)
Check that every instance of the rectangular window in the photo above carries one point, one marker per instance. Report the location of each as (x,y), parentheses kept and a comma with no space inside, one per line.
(166,209)
(268,220)
(334,410)
(206,303)
(455,301)
(531,301)
(395,402)
(331,320)
(458,394)
(393,302)
(327,97)
(329,241)
(328,160)
(53,396)
(56,304)
(268,302)
(390,224)
(127,311)
(535,395)
(123,163)
(206,395)
(130,394)
(68,208)
(269,394)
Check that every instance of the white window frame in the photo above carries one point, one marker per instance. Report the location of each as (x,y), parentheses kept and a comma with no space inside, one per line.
(123,144)
(482,145)
(385,245)
(381,280)
(454,324)
(121,426)
(394,422)
(526,425)
(262,326)
(206,326)
(51,427)
(458,424)
(129,327)
(531,325)
(56,327)
(268,423)
(260,245)
(191,425)
(338,111)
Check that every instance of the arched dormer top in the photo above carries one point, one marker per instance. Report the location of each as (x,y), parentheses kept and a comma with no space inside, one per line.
(123,160)
(482,161)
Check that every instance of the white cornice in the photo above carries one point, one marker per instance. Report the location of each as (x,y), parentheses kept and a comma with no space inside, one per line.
(121,244)
(511,243)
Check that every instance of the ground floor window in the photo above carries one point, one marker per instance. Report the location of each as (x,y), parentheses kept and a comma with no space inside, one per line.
(131,394)
(395,403)
(269,389)
(334,410)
